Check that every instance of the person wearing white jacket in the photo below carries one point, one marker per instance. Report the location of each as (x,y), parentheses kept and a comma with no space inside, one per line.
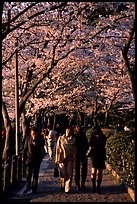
(65,157)
(51,140)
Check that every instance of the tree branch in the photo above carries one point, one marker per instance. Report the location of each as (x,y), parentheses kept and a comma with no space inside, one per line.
(29,18)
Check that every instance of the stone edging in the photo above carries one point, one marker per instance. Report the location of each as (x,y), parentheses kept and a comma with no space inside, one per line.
(129,190)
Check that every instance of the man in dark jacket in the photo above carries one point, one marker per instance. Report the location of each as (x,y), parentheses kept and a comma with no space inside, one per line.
(81,158)
(32,155)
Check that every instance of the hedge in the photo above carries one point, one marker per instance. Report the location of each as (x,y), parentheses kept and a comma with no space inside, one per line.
(120,150)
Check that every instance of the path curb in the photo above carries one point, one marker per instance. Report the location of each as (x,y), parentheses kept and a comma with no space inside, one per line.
(130,191)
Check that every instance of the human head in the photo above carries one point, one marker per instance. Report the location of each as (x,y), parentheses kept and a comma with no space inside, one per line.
(77,128)
(96,129)
(34,131)
(69,131)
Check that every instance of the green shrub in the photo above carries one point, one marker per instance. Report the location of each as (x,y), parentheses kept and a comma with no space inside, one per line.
(120,150)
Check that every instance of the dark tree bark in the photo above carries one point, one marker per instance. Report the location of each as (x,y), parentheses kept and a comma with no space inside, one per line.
(9,148)
(130,70)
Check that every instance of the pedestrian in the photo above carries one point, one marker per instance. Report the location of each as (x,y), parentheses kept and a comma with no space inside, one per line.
(32,155)
(119,127)
(98,156)
(57,133)
(81,158)
(65,156)
(57,130)
(51,140)
(45,133)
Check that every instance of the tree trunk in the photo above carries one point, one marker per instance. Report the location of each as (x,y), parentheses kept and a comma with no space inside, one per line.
(131,71)
(9,148)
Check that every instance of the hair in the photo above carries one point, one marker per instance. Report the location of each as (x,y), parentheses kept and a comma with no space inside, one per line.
(78,125)
(71,128)
(34,128)
(97,128)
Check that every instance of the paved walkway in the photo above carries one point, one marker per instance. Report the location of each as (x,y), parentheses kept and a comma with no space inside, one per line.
(49,189)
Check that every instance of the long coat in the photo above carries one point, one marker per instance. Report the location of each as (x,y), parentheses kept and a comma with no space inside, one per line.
(98,151)
(65,155)
(64,148)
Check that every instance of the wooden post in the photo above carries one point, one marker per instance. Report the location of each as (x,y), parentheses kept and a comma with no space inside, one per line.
(17,101)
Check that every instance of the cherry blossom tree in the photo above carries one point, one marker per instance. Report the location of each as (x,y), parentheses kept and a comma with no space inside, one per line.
(69,56)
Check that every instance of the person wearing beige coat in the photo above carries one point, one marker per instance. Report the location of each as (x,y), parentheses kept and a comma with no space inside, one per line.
(64,158)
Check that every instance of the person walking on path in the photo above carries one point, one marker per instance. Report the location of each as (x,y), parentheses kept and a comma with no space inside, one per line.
(64,158)
(51,140)
(32,155)
(81,158)
(98,156)
(45,133)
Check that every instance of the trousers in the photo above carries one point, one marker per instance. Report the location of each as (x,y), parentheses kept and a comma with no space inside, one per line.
(32,174)
(80,170)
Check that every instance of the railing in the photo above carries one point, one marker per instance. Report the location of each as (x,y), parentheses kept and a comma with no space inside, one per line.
(12,172)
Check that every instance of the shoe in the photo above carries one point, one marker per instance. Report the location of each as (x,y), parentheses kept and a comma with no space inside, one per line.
(98,191)
(33,191)
(34,188)
(68,192)
(93,190)
(62,188)
(83,188)
(78,188)
(26,190)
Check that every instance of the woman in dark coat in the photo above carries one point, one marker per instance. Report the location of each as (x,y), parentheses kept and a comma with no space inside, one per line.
(98,156)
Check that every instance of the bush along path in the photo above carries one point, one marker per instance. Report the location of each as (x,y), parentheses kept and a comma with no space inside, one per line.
(120,149)
(118,177)
(49,189)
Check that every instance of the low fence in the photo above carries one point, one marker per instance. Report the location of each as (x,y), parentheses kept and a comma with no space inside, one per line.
(12,172)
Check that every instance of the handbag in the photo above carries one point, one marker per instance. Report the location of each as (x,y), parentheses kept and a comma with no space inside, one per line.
(56,171)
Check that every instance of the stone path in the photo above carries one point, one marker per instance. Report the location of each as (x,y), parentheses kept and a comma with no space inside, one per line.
(49,189)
